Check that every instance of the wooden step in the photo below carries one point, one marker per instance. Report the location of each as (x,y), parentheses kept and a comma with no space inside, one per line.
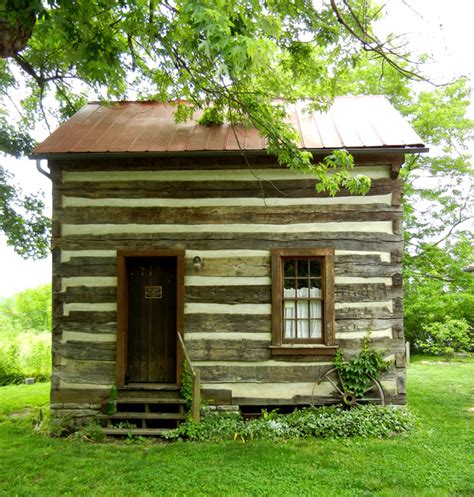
(149,386)
(143,432)
(150,400)
(143,415)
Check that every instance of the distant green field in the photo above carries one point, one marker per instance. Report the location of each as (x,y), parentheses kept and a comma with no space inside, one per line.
(436,460)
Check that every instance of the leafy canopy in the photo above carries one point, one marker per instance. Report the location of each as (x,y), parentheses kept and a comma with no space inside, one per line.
(235,57)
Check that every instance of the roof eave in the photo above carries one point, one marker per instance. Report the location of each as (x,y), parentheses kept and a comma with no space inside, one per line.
(417,149)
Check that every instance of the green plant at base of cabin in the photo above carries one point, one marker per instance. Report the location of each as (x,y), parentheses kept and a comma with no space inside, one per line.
(356,373)
(186,389)
(320,422)
(187,384)
(89,432)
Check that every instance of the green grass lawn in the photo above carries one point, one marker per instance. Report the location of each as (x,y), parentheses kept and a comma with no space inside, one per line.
(436,460)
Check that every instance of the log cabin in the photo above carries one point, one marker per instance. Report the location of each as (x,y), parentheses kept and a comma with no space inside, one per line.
(175,242)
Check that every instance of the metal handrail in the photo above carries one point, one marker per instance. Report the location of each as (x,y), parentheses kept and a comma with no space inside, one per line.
(196,377)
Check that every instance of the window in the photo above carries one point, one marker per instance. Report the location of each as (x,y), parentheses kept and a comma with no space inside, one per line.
(303,301)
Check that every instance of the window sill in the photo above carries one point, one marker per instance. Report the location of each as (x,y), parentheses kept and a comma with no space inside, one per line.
(314,350)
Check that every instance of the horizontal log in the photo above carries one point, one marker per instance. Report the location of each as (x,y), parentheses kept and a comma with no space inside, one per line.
(367,325)
(256,373)
(299,188)
(87,266)
(228,350)
(231,266)
(99,317)
(366,292)
(85,377)
(250,267)
(79,294)
(105,368)
(86,327)
(355,314)
(352,347)
(229,215)
(228,294)
(77,395)
(235,294)
(366,270)
(230,323)
(91,351)
(382,242)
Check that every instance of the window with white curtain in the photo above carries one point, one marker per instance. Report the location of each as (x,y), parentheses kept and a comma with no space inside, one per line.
(302,298)
(303,301)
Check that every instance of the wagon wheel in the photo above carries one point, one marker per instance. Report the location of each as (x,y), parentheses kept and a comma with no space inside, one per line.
(373,394)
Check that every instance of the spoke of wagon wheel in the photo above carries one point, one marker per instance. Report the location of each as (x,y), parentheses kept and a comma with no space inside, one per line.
(370,388)
(334,385)
(340,379)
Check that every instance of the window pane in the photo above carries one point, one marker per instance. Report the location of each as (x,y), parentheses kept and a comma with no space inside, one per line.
(289,314)
(315,309)
(290,283)
(302,284)
(315,287)
(289,268)
(289,328)
(302,328)
(303,305)
(290,309)
(316,328)
(315,268)
(303,268)
(289,293)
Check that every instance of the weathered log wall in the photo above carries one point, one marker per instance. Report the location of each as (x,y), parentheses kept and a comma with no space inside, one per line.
(231,217)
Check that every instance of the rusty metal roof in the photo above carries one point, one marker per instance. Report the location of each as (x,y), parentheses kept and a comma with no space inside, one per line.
(354,123)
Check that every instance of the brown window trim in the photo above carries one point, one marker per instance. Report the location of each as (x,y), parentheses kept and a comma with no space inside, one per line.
(326,346)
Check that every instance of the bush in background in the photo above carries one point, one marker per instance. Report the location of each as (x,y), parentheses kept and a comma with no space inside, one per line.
(446,338)
(437,292)
(25,355)
(25,336)
(27,310)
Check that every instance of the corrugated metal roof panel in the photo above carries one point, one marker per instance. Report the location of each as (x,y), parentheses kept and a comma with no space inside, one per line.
(361,122)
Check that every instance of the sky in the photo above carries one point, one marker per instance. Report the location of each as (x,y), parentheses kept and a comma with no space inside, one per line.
(439,26)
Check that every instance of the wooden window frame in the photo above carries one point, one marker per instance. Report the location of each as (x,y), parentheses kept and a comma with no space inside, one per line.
(324,346)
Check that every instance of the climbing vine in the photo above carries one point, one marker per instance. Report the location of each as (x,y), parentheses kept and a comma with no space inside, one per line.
(357,373)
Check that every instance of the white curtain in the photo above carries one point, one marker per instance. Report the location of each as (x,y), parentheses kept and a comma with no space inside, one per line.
(301,309)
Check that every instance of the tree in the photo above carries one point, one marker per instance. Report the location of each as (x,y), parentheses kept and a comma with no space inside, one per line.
(438,208)
(234,56)
(29,310)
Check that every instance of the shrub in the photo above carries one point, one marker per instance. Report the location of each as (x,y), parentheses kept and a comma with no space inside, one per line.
(10,371)
(25,355)
(322,422)
(446,337)
(27,310)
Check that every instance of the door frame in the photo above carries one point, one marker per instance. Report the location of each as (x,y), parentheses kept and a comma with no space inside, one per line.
(122,307)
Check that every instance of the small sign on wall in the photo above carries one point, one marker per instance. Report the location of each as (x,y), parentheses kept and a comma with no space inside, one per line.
(153,292)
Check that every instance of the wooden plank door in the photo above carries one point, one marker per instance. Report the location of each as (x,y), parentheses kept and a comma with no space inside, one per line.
(152,312)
